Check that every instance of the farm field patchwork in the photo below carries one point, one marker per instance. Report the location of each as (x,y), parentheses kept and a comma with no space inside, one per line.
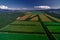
(44,18)
(56,19)
(55,29)
(31,26)
(24,26)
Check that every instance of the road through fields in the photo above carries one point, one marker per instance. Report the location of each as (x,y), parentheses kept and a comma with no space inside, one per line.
(49,34)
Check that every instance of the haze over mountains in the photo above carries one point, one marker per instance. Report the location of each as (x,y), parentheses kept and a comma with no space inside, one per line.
(6,10)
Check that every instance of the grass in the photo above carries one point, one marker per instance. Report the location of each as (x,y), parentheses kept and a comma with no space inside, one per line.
(10,36)
(27,26)
(6,18)
(23,28)
(39,12)
(36,12)
(51,23)
(57,36)
(54,28)
(25,22)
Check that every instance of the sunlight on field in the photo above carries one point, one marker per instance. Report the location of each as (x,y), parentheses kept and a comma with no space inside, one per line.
(44,18)
(58,20)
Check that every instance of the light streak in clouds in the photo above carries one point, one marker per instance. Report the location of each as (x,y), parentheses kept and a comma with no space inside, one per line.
(6,7)
(43,7)
(3,7)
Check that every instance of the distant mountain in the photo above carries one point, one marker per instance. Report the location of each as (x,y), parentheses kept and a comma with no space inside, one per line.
(47,10)
(5,10)
(52,10)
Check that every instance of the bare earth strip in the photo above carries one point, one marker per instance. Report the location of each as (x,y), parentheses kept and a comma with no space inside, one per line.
(32,15)
(24,17)
(56,19)
(35,19)
(44,18)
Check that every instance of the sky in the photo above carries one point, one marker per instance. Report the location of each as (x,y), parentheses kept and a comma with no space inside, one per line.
(29,4)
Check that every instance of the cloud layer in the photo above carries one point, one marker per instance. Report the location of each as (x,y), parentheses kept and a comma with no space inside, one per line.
(6,7)
(43,7)
(37,7)
(3,7)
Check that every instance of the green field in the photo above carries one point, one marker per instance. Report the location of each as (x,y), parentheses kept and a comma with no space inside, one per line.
(57,36)
(16,36)
(41,29)
(24,26)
